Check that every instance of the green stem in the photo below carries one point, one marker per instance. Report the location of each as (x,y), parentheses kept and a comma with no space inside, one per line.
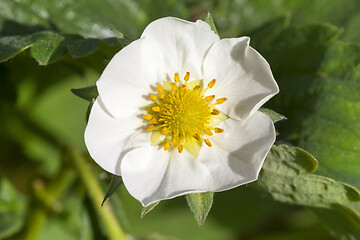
(111,224)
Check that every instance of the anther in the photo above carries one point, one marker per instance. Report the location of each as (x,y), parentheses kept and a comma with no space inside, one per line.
(207,132)
(156,109)
(207,141)
(173,86)
(154,120)
(197,136)
(196,88)
(160,88)
(221,100)
(210,98)
(175,142)
(187,77)
(161,95)
(167,146)
(219,130)
(164,131)
(212,83)
(150,128)
(183,87)
(215,112)
(147,116)
(153,97)
(176,77)
(180,148)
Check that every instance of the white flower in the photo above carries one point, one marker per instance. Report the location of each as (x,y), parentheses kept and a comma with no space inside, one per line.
(177,112)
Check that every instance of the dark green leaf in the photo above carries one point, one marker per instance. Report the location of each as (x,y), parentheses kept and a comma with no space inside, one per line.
(286,177)
(146,210)
(10,46)
(12,209)
(209,20)
(87,93)
(200,204)
(83,47)
(275,117)
(115,183)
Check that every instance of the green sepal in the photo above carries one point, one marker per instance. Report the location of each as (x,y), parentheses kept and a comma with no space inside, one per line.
(275,117)
(209,20)
(124,40)
(146,210)
(115,183)
(200,205)
(87,93)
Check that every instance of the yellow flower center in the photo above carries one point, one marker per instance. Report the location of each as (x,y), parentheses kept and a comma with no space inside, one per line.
(183,115)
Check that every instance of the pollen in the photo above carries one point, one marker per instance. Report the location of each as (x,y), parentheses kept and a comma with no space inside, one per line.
(181,114)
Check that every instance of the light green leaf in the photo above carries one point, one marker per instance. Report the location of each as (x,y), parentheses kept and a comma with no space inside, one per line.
(286,177)
(48,48)
(209,20)
(146,210)
(275,117)
(12,209)
(200,204)
(115,183)
(87,93)
(10,46)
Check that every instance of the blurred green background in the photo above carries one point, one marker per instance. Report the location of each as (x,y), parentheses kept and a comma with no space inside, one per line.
(48,47)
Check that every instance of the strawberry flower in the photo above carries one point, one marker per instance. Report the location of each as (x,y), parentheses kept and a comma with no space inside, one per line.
(177,112)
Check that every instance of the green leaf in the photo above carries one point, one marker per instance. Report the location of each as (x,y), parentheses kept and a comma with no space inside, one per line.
(87,93)
(275,117)
(318,78)
(146,210)
(83,47)
(48,47)
(115,183)
(12,209)
(200,204)
(209,20)
(10,46)
(286,177)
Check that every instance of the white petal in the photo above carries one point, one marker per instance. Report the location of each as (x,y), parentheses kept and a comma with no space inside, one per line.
(108,139)
(238,153)
(242,76)
(183,44)
(150,174)
(129,78)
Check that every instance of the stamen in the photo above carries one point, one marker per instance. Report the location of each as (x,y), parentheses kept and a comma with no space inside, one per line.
(167,146)
(207,132)
(176,77)
(160,88)
(175,143)
(147,116)
(164,131)
(221,100)
(210,98)
(212,83)
(150,128)
(187,77)
(219,130)
(197,136)
(215,112)
(153,97)
(183,87)
(156,109)
(173,86)
(161,95)
(207,141)
(154,120)
(180,148)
